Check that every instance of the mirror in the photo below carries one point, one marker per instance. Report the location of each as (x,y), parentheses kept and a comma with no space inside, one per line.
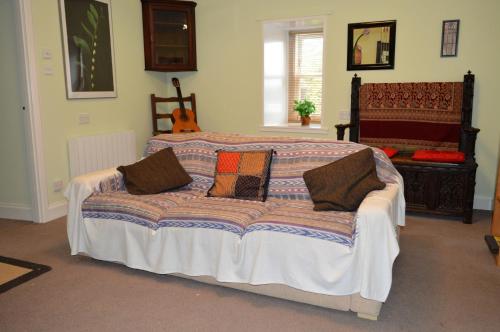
(371,45)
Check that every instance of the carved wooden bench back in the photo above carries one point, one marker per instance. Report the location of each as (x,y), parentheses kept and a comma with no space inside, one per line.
(411,116)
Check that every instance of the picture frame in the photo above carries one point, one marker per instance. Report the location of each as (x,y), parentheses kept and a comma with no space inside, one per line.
(371,45)
(87,36)
(449,38)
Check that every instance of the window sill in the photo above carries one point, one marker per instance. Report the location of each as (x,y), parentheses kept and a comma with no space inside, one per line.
(296,128)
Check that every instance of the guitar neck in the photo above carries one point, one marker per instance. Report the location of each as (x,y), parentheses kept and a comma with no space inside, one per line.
(181,102)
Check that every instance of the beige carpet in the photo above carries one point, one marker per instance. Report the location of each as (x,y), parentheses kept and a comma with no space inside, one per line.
(444,280)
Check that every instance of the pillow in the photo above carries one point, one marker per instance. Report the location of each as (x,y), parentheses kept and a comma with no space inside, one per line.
(439,156)
(242,175)
(343,184)
(390,152)
(158,172)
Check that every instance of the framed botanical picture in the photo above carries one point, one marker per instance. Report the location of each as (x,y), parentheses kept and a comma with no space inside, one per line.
(371,45)
(88,48)
(449,38)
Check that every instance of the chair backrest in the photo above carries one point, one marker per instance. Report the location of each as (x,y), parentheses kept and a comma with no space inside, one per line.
(411,116)
(156,116)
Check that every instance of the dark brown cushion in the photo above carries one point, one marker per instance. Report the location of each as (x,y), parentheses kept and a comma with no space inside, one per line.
(158,172)
(343,184)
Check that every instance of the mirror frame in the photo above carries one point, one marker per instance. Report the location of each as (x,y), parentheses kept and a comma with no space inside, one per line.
(367,25)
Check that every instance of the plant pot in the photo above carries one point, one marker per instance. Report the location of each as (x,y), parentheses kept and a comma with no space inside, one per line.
(305,120)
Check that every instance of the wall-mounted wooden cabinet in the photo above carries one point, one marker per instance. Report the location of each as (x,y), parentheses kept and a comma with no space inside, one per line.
(169,35)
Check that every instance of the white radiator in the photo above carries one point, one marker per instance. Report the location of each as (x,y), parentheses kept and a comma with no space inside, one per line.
(92,153)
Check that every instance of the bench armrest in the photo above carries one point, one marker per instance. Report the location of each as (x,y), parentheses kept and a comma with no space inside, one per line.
(468,142)
(100,181)
(472,130)
(78,190)
(341,130)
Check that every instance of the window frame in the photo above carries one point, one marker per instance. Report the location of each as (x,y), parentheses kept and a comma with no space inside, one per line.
(318,126)
(294,117)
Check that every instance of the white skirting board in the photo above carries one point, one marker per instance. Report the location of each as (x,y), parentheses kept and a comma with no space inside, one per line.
(483,203)
(57,210)
(15,211)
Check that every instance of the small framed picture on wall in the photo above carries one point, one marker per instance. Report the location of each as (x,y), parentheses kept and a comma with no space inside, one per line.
(449,38)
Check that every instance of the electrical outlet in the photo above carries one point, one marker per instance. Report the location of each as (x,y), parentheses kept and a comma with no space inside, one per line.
(48,70)
(83,118)
(344,115)
(58,185)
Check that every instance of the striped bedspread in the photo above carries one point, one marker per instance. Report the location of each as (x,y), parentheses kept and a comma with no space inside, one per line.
(288,208)
(294,156)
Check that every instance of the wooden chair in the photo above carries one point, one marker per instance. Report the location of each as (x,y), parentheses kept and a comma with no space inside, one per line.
(432,187)
(158,116)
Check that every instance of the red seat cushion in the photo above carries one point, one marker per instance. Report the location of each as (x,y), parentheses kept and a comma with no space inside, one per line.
(439,156)
(390,152)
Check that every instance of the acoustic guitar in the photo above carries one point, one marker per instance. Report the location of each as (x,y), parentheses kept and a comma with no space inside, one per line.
(184,119)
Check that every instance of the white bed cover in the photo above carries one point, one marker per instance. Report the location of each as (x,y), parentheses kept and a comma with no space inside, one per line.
(308,264)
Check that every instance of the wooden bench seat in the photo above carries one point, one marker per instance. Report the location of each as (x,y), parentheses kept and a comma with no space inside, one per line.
(432,187)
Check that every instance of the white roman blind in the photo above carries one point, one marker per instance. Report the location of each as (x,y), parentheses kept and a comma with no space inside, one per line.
(275,76)
(305,69)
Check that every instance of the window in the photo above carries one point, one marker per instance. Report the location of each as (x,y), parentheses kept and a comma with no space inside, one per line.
(305,71)
(293,69)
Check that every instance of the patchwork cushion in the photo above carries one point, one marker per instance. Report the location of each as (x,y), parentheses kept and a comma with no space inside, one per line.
(343,184)
(242,174)
(158,172)
(439,156)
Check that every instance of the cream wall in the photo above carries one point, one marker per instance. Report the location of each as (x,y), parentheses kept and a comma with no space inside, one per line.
(228,84)
(130,110)
(14,184)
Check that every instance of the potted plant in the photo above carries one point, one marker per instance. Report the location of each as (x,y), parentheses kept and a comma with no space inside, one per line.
(304,108)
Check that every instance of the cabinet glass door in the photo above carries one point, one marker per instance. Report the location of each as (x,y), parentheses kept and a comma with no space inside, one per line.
(171,38)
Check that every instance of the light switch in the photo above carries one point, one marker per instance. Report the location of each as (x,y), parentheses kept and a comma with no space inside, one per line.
(344,115)
(83,118)
(58,185)
(46,53)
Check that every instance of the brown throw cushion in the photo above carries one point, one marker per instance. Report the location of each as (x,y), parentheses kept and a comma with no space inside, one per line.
(242,174)
(343,184)
(159,172)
